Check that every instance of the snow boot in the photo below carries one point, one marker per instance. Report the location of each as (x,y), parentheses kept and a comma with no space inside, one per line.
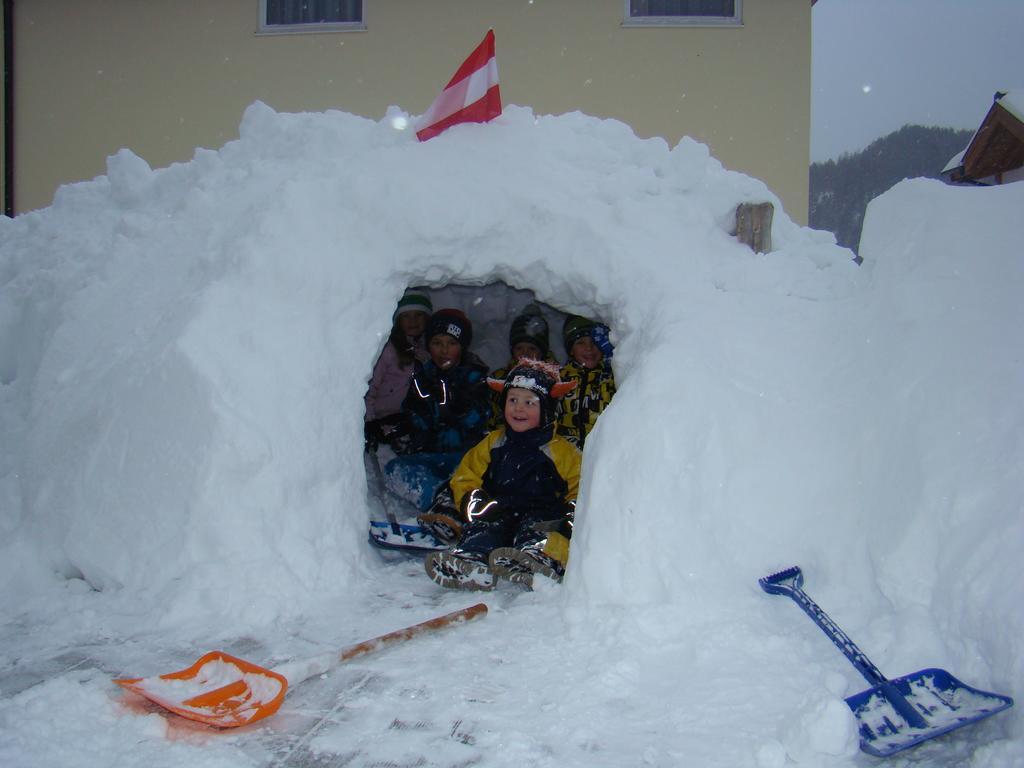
(445,528)
(521,565)
(442,519)
(457,569)
(505,562)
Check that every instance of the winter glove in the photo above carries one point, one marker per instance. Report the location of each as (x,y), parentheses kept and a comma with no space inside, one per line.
(562,525)
(397,431)
(401,442)
(477,506)
(373,434)
(393,430)
(600,337)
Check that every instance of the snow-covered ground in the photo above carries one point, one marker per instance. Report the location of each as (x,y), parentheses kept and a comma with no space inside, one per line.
(183,354)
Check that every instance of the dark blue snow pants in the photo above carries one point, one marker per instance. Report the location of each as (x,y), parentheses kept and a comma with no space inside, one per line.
(514,529)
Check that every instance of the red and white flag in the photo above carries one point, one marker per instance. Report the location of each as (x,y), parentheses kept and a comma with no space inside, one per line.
(471,96)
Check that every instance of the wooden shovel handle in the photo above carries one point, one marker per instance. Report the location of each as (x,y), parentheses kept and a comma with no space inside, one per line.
(401,635)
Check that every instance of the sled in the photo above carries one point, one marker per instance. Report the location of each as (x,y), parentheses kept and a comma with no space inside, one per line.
(408,537)
(227,692)
(414,539)
(893,715)
(371,460)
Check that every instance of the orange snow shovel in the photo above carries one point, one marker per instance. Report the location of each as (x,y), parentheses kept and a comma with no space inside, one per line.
(227,692)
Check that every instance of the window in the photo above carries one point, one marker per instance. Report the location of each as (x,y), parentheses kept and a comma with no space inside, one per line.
(311,15)
(647,13)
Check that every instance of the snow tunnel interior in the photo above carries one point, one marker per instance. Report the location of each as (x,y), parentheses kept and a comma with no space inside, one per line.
(491,308)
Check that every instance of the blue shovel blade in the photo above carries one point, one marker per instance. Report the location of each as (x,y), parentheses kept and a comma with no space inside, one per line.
(944,702)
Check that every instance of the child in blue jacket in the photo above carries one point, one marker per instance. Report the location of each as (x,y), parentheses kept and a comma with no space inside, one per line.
(446,409)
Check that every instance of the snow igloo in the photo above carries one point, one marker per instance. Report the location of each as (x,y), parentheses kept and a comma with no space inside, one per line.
(194,343)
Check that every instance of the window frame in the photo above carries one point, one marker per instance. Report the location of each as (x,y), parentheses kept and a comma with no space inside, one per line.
(736,20)
(264,28)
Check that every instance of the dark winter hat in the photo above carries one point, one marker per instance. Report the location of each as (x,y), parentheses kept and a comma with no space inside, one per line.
(538,377)
(575,328)
(452,322)
(413,301)
(530,327)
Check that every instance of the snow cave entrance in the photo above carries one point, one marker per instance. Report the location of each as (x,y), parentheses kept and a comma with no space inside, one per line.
(491,308)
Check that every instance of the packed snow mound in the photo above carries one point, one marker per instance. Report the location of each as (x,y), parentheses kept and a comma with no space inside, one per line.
(185,352)
(186,348)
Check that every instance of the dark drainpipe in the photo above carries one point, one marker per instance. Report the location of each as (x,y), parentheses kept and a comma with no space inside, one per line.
(8,108)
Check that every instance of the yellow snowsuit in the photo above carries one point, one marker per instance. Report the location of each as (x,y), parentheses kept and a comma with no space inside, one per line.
(532,478)
(581,406)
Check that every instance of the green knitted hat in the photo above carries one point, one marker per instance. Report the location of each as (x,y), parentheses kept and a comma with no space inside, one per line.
(413,301)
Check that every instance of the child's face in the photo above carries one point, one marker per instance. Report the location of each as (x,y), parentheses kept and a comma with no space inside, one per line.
(413,323)
(526,349)
(522,409)
(445,351)
(586,353)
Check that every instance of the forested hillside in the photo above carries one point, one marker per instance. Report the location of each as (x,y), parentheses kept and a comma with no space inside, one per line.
(840,190)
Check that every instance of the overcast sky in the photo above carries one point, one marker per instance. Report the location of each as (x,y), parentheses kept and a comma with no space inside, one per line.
(882,64)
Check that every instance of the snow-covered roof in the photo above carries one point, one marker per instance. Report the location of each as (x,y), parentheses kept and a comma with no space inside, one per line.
(995,145)
(1013,102)
(955,161)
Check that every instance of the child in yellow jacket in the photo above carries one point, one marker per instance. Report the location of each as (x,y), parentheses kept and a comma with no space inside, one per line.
(514,487)
(590,367)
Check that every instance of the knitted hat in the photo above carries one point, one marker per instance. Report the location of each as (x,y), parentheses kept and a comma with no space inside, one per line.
(413,301)
(530,327)
(538,377)
(452,322)
(575,328)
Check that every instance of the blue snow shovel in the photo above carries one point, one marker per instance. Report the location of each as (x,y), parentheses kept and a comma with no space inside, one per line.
(894,715)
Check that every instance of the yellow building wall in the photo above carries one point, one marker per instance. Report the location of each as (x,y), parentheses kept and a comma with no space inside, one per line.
(162,77)
(3,137)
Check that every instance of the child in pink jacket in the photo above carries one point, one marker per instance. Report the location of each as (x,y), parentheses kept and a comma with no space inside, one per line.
(394,368)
